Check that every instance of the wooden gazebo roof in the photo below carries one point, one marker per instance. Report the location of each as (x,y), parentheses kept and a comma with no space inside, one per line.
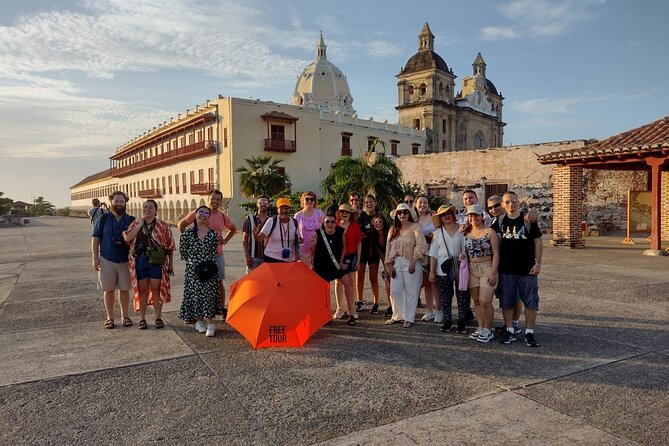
(624,151)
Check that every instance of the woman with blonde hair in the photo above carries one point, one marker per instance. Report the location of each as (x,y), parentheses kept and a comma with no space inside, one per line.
(309,219)
(405,247)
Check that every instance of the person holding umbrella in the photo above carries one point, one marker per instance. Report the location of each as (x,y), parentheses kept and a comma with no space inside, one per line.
(202,298)
(328,254)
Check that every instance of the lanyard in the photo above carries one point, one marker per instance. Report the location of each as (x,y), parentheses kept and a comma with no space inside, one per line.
(287,245)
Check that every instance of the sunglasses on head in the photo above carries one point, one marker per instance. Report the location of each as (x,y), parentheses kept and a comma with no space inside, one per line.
(494,206)
(309,199)
(403,212)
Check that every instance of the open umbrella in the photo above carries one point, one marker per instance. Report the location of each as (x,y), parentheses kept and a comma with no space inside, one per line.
(279,305)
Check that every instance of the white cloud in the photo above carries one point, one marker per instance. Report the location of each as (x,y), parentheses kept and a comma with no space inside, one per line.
(540,18)
(563,106)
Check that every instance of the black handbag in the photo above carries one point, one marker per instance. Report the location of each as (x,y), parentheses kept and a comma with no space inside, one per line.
(206,270)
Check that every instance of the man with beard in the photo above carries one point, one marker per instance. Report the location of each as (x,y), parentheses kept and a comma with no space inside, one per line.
(280,236)
(220,223)
(253,249)
(110,257)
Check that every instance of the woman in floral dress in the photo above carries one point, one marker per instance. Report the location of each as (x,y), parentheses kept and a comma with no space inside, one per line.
(202,300)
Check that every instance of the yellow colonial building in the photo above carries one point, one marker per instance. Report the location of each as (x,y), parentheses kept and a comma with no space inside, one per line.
(179,161)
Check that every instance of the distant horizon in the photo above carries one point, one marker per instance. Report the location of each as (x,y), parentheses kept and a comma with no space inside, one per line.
(78,78)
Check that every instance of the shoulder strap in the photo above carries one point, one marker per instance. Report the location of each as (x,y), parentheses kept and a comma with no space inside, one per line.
(445,244)
(327,245)
(274,220)
(103,221)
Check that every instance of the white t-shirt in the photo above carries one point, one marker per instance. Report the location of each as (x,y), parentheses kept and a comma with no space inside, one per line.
(282,231)
(438,250)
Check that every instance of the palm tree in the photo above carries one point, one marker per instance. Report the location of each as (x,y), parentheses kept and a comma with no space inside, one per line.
(375,174)
(261,176)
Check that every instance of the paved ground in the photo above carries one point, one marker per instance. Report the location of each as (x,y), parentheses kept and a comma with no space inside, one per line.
(599,377)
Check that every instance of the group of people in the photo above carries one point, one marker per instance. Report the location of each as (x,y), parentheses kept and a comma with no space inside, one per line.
(474,255)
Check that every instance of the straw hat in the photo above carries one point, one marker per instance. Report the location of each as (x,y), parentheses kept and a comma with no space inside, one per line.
(348,208)
(282,202)
(405,207)
(436,220)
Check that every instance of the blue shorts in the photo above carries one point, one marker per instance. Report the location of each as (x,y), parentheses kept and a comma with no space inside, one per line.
(146,271)
(513,285)
(220,263)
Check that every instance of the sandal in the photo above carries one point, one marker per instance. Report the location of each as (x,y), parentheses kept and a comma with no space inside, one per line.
(127,322)
(142,324)
(109,323)
(159,323)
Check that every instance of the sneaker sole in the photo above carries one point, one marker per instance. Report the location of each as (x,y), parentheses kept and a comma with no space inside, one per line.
(484,340)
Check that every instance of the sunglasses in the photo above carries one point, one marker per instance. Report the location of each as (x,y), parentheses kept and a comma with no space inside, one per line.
(403,212)
(309,199)
(354,199)
(408,201)
(494,206)
(447,214)
(205,213)
(329,222)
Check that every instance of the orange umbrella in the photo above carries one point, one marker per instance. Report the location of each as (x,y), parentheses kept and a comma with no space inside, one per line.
(279,305)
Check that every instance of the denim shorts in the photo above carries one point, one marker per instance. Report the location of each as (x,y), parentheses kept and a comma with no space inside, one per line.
(526,286)
(146,271)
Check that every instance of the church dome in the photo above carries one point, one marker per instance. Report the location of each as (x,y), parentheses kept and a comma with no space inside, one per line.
(322,85)
(424,60)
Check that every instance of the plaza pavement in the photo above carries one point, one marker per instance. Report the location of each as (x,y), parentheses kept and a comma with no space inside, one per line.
(599,377)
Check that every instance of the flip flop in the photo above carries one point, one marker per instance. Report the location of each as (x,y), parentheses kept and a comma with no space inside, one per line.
(159,323)
(142,325)
(109,323)
(127,322)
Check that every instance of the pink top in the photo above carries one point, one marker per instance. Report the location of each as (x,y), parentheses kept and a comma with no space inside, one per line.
(308,227)
(218,221)
(410,245)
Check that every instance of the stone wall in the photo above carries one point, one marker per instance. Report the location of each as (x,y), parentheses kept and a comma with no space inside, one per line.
(605,192)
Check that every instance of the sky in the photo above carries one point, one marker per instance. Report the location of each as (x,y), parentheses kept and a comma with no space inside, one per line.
(79,78)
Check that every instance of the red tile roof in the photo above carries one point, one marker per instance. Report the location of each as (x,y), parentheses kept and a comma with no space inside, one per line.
(650,139)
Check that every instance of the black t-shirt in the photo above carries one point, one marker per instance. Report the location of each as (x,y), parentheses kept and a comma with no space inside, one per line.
(516,244)
(323,264)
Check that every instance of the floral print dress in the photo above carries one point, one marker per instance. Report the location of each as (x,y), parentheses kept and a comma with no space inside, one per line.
(201,299)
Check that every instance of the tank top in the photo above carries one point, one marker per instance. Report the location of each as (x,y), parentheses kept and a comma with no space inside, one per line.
(478,247)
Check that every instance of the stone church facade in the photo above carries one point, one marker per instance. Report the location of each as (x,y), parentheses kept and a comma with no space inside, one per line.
(470,119)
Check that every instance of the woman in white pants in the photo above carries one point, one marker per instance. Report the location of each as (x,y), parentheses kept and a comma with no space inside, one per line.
(406,245)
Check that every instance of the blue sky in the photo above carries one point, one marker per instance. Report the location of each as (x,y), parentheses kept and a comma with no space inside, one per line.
(79,78)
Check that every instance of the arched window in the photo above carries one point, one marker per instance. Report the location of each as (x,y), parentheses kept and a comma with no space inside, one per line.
(423,89)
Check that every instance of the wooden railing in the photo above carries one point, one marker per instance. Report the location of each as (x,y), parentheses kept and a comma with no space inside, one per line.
(195,150)
(149,193)
(280,145)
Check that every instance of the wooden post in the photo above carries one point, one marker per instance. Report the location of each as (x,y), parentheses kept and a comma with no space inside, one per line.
(656,186)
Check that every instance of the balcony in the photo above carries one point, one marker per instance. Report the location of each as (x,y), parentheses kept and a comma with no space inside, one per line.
(280,145)
(149,193)
(201,188)
(195,150)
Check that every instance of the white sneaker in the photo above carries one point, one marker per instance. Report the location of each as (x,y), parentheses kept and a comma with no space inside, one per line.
(428,316)
(338,314)
(475,334)
(211,330)
(200,326)
(439,317)
(485,336)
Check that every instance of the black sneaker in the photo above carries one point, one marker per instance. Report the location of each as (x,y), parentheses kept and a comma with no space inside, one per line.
(389,311)
(359,305)
(375,309)
(447,326)
(530,340)
(507,337)
(517,330)
(351,320)
(462,328)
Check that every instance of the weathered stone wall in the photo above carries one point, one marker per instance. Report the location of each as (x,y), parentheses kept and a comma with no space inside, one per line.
(449,174)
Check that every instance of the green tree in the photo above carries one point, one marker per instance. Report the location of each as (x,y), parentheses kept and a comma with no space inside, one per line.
(42,207)
(261,176)
(377,175)
(5,204)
